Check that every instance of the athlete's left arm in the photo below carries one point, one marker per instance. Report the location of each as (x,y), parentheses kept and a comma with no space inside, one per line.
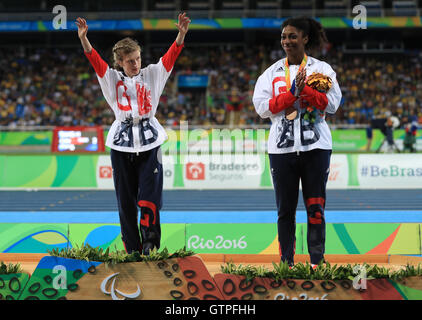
(159,72)
(328,102)
(171,55)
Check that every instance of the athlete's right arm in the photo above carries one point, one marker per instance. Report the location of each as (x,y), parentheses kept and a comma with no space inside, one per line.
(266,104)
(82,32)
(100,66)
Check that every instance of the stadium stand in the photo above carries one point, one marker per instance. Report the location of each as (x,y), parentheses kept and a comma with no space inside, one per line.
(58,87)
(49,81)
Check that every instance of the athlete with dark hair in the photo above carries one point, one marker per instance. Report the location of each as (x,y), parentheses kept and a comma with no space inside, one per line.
(295,93)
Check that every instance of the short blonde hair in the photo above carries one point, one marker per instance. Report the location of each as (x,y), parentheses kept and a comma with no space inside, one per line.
(122,48)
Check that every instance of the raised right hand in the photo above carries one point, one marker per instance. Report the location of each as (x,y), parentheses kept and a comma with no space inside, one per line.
(82,27)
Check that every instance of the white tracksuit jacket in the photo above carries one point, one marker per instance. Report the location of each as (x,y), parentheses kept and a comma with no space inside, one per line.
(134,101)
(296,135)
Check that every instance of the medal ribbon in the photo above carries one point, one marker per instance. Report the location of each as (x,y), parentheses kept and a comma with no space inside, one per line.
(287,71)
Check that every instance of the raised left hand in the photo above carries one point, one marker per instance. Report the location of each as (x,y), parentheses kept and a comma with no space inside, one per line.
(183,23)
(300,80)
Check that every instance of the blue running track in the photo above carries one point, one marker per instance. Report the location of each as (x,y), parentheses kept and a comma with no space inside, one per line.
(209,206)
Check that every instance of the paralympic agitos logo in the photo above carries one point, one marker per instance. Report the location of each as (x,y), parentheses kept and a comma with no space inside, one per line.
(113,289)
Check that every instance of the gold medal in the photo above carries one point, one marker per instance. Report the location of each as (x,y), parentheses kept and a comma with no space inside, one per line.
(291,112)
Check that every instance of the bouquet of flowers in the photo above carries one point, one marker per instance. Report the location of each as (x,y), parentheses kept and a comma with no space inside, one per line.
(321,83)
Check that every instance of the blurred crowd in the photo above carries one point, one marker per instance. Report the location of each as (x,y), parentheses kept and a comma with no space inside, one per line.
(46,87)
(376,85)
(49,87)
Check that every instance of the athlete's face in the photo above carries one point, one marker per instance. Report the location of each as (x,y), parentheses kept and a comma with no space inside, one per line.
(131,63)
(293,41)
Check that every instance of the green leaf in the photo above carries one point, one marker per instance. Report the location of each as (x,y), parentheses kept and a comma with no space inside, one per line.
(88,253)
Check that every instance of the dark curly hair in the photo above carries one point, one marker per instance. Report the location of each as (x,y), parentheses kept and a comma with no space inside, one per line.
(311,28)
